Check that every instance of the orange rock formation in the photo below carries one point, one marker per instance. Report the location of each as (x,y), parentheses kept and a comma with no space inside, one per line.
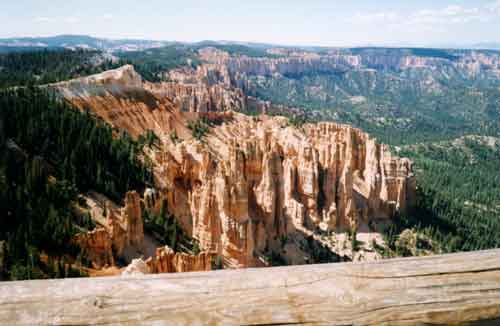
(121,229)
(253,181)
(168,261)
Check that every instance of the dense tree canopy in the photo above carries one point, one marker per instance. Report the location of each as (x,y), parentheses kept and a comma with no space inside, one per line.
(459,194)
(49,153)
(153,63)
(48,66)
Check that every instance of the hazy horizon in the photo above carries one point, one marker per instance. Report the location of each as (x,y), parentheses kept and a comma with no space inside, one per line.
(319,23)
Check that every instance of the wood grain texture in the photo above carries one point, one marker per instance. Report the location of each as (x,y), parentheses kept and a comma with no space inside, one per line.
(437,290)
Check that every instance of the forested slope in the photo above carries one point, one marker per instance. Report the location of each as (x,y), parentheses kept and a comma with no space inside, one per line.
(47,66)
(458,199)
(50,153)
(399,107)
(152,63)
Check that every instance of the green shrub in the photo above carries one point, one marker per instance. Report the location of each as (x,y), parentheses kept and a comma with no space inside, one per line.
(199,128)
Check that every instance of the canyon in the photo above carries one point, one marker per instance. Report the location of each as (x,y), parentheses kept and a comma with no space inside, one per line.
(210,164)
(253,189)
(218,155)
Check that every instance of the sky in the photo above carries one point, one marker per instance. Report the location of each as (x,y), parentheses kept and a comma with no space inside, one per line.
(289,22)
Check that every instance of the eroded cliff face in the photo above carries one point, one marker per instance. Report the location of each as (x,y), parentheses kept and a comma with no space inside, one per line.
(122,99)
(256,181)
(168,261)
(119,228)
(97,245)
(120,236)
(292,65)
(254,185)
(297,63)
(222,76)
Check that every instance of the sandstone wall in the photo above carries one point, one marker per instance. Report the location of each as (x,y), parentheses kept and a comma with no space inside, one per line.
(97,245)
(168,261)
(335,61)
(122,228)
(252,181)
(257,181)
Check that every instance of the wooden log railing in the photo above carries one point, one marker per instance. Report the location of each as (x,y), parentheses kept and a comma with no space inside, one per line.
(437,290)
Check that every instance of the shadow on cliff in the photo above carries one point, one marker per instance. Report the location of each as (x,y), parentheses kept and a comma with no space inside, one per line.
(428,215)
(321,254)
(301,248)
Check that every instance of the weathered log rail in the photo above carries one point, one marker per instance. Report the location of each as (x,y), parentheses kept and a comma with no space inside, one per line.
(438,290)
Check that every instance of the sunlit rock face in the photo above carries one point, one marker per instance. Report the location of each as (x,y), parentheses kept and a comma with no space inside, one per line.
(257,181)
(252,181)
(220,63)
(121,228)
(168,261)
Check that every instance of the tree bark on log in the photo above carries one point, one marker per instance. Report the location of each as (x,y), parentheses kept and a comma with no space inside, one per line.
(436,290)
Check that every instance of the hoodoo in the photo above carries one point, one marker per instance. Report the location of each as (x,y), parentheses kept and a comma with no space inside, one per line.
(249,186)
